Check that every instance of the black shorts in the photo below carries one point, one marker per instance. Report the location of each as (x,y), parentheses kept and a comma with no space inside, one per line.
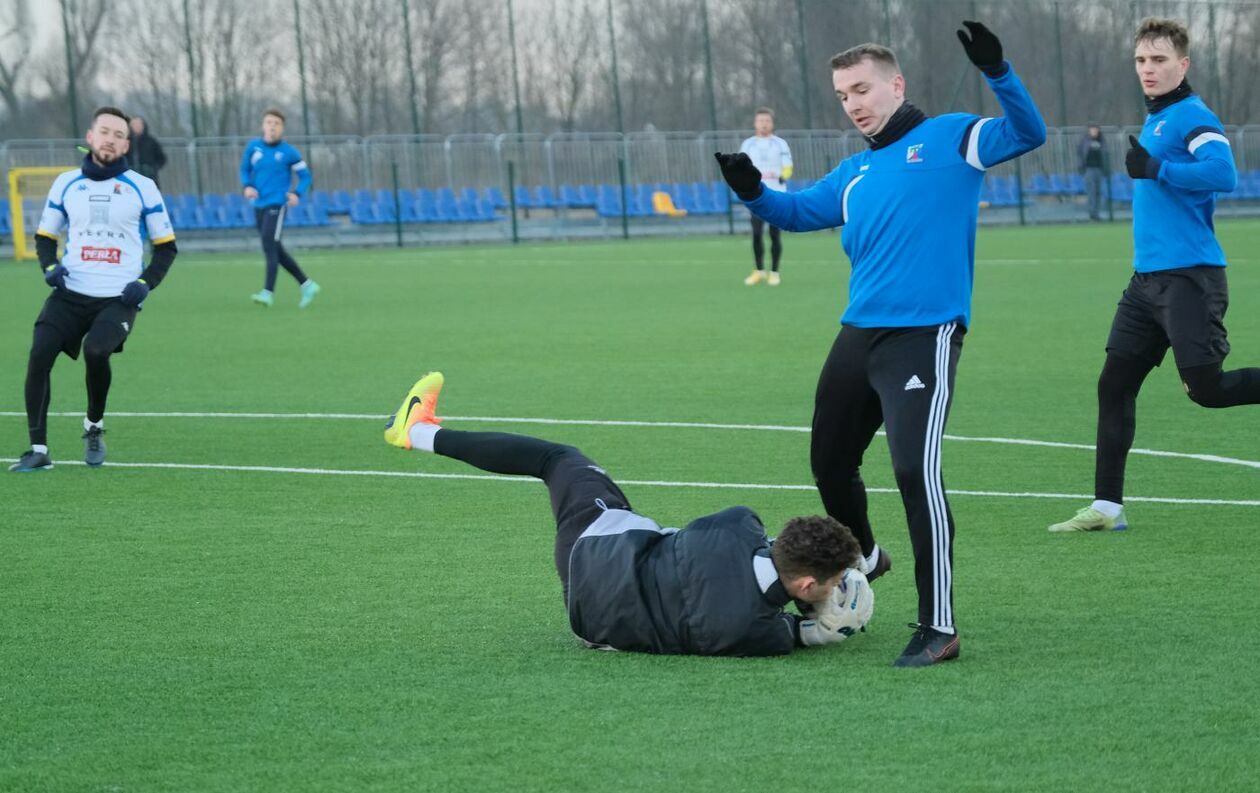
(580,492)
(72,316)
(1183,309)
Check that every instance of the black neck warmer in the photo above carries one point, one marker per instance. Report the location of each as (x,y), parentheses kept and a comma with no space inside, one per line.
(905,119)
(1154,104)
(99,173)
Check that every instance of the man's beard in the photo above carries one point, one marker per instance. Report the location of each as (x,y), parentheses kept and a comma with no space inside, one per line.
(104,157)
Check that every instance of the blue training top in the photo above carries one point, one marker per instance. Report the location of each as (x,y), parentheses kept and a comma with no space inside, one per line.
(909,211)
(1172,214)
(269,169)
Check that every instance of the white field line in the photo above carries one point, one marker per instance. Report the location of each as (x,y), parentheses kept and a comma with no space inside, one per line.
(1208,458)
(269,469)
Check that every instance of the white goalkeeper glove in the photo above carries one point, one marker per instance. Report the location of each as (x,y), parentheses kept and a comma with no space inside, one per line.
(845,612)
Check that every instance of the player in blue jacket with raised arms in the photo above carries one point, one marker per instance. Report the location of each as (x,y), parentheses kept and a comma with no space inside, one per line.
(1178,293)
(268,167)
(908,209)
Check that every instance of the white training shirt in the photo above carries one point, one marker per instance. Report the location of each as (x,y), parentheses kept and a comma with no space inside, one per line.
(101,221)
(771,155)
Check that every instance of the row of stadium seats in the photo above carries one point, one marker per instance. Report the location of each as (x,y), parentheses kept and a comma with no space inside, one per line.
(443,205)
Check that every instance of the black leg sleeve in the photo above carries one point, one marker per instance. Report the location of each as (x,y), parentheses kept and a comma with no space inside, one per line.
(45,345)
(759,249)
(1118,387)
(846,417)
(1212,388)
(776,247)
(580,490)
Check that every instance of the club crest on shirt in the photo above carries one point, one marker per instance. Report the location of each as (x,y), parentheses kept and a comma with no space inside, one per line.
(279,156)
(1159,128)
(912,153)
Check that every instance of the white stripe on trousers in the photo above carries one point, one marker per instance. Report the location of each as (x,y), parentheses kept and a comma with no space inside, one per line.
(279,223)
(942,573)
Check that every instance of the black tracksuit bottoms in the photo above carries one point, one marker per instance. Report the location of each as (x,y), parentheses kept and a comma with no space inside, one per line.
(903,379)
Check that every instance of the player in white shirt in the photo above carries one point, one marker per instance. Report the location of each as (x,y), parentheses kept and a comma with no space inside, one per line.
(771,155)
(99,283)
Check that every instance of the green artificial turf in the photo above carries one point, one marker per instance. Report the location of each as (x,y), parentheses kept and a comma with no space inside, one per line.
(208,629)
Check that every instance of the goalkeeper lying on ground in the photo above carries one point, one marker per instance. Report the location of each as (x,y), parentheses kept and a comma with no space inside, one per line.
(717,587)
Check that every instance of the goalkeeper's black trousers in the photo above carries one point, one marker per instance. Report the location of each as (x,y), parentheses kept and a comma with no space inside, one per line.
(759,249)
(580,490)
(903,379)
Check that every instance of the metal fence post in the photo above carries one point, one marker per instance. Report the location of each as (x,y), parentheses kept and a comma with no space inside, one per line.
(511,197)
(625,197)
(393,168)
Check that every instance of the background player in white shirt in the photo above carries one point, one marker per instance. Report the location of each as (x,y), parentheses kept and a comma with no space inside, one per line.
(99,282)
(771,155)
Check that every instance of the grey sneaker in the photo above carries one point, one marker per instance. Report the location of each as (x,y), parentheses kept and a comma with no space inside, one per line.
(94,447)
(32,461)
(1090,519)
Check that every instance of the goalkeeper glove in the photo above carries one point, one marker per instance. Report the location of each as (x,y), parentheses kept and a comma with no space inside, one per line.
(55,275)
(134,293)
(740,173)
(983,48)
(1139,162)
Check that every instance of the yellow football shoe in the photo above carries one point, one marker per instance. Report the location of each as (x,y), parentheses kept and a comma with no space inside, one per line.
(419,406)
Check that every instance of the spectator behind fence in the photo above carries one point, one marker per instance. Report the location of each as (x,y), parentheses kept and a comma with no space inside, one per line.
(147,157)
(1092,152)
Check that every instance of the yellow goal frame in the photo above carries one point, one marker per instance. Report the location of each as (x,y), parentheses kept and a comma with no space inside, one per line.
(21,247)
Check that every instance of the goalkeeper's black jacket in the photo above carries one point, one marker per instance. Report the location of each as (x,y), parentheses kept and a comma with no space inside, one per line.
(709,589)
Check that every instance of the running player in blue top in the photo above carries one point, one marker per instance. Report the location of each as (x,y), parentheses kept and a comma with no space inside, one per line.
(1178,294)
(268,167)
(908,209)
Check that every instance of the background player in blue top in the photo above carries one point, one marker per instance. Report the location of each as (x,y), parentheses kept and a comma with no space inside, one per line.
(908,207)
(268,167)
(1178,293)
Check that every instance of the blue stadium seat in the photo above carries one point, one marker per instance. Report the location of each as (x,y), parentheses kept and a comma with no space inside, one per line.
(363,213)
(545,197)
(340,202)
(569,196)
(496,197)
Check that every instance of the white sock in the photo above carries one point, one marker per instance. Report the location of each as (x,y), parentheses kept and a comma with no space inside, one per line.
(39,448)
(421,436)
(872,560)
(87,425)
(1109,508)
(950,629)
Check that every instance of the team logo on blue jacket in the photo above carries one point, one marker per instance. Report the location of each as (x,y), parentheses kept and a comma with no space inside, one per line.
(1159,128)
(912,153)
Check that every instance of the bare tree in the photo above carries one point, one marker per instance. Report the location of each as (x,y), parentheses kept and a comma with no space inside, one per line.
(15,51)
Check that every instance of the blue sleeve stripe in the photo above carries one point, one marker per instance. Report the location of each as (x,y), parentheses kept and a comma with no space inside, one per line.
(60,208)
(153,210)
(66,189)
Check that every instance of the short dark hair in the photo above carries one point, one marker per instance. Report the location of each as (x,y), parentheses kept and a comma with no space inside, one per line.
(764,111)
(815,545)
(878,53)
(109,110)
(271,111)
(1155,28)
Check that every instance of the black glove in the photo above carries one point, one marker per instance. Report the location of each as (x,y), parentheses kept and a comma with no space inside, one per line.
(983,48)
(55,275)
(1139,162)
(740,173)
(134,293)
